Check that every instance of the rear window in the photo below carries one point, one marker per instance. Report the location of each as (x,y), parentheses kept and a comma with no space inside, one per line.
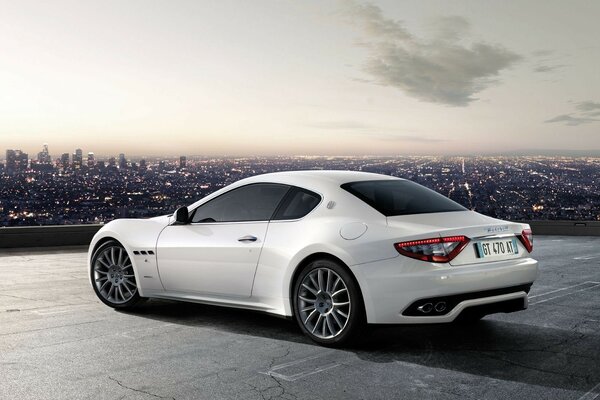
(400,197)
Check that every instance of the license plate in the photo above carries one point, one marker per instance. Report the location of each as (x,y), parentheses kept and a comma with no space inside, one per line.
(497,248)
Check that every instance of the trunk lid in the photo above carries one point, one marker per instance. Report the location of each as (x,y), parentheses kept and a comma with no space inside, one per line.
(477,227)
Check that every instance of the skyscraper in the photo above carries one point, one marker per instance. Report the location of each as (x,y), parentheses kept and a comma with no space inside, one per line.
(64,160)
(182,162)
(44,155)
(122,161)
(11,160)
(91,161)
(16,161)
(77,158)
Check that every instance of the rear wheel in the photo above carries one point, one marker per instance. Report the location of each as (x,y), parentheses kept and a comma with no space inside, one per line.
(112,276)
(327,303)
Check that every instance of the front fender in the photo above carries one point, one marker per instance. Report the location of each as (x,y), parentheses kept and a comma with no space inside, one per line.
(134,235)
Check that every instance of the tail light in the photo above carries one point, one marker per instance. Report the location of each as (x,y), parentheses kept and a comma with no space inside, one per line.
(527,239)
(441,249)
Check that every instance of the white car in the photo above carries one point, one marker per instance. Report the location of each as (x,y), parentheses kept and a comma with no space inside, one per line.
(332,249)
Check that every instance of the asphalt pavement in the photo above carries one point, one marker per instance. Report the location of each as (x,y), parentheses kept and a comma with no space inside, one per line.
(58,341)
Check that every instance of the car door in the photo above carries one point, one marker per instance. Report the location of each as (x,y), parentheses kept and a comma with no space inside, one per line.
(218,251)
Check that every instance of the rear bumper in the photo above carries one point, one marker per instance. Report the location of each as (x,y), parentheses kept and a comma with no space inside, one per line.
(393,289)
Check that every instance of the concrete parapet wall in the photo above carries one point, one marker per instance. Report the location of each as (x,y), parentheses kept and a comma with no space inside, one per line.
(566,228)
(45,236)
(75,235)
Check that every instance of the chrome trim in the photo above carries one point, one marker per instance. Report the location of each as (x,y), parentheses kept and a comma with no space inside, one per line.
(487,237)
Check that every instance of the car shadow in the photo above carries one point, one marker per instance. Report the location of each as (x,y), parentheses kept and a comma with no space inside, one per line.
(531,354)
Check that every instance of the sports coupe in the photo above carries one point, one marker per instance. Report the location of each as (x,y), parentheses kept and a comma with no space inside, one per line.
(332,249)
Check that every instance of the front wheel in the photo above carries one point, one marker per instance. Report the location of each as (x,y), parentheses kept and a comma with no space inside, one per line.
(112,276)
(327,303)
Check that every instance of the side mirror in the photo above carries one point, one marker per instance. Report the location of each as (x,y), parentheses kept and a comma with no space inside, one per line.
(181,216)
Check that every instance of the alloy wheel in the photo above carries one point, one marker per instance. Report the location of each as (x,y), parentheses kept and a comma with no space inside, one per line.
(324,303)
(113,275)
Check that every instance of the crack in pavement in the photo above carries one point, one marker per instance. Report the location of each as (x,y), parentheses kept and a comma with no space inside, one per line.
(287,353)
(139,390)
(280,395)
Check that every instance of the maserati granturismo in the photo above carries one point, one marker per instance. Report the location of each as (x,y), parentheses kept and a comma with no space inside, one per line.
(333,250)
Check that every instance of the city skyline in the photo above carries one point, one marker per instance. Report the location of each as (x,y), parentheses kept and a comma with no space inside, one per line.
(86,190)
(53,157)
(345,78)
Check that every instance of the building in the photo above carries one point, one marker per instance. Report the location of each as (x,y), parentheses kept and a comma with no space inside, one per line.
(16,161)
(91,161)
(64,160)
(44,155)
(122,161)
(77,159)
(182,162)
(11,160)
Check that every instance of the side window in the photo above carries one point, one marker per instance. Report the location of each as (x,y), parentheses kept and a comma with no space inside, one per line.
(297,204)
(255,202)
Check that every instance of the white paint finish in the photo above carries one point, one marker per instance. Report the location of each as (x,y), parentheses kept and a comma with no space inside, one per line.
(468,223)
(206,263)
(208,258)
(135,234)
(392,285)
(353,230)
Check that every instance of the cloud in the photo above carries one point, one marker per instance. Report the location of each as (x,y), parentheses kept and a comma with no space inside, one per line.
(546,61)
(588,106)
(571,120)
(450,28)
(441,70)
(585,111)
(548,68)
(374,23)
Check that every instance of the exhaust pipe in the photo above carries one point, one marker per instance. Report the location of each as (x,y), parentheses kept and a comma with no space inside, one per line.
(425,308)
(440,307)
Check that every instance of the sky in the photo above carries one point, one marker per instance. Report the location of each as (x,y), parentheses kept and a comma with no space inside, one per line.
(292,78)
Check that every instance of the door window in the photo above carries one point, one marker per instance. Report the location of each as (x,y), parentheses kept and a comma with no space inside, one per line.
(256,202)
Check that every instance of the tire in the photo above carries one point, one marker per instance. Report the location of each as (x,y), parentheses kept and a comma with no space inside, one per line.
(327,303)
(112,276)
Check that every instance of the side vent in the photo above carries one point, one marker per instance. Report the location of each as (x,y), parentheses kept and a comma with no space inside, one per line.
(143,252)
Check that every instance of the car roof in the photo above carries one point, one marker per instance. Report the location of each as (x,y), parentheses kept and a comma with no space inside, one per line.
(316,178)
(324,182)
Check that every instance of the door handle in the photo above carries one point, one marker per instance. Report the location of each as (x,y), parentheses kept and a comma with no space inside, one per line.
(247,238)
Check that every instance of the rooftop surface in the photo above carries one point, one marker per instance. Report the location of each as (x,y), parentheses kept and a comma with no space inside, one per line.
(57,341)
